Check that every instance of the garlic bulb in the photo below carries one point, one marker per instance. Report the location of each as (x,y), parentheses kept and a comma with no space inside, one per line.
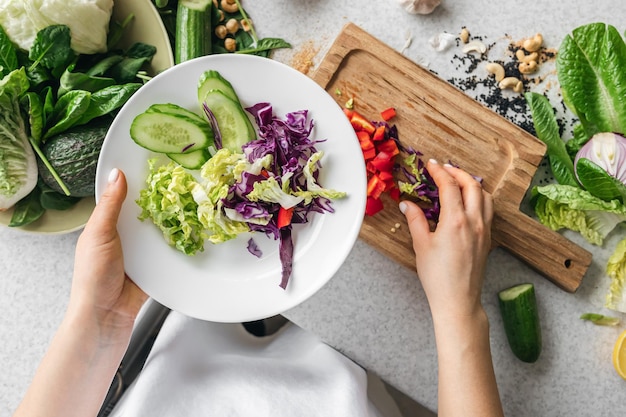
(419,6)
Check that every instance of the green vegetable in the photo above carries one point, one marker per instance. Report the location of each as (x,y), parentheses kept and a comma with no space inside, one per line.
(74,156)
(563,206)
(600,319)
(213,80)
(233,123)
(616,269)
(520,317)
(591,66)
(18,166)
(8,55)
(191,160)
(171,132)
(168,203)
(193,29)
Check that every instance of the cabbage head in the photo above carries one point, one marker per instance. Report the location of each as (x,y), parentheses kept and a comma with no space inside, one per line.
(18,166)
(88,21)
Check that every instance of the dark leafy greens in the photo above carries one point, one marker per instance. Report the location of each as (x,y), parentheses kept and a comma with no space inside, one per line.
(62,90)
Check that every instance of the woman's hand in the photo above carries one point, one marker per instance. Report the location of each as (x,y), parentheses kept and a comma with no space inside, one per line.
(451,260)
(101,289)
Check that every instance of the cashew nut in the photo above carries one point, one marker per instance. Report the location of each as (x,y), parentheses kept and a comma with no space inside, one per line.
(474,46)
(246,25)
(495,69)
(533,44)
(522,57)
(230,44)
(513,83)
(229,6)
(528,67)
(464,35)
(221,31)
(232,25)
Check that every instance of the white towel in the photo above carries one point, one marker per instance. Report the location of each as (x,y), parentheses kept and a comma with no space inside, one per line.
(199,368)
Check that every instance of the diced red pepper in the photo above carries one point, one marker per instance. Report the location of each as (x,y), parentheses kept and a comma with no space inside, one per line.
(379,133)
(369,154)
(389,146)
(395,193)
(348,113)
(359,122)
(386,176)
(284,217)
(383,161)
(388,113)
(375,186)
(373,206)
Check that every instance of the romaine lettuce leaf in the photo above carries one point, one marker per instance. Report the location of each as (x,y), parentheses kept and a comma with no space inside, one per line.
(18,166)
(616,269)
(562,206)
(590,68)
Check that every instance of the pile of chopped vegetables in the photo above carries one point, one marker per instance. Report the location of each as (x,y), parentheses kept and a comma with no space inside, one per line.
(381,149)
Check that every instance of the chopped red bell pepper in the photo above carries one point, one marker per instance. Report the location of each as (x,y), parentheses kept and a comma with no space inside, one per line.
(284,217)
(373,206)
(369,154)
(375,186)
(379,133)
(348,113)
(389,146)
(388,114)
(359,122)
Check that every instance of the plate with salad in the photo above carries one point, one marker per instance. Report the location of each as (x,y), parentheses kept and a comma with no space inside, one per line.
(246,187)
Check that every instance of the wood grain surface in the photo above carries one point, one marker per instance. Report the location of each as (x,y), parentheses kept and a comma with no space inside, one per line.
(443,123)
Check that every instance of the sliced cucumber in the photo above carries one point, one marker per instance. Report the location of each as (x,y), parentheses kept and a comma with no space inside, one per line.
(191,160)
(175,109)
(235,127)
(169,133)
(213,80)
(520,317)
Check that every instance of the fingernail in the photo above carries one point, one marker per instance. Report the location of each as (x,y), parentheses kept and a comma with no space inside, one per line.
(447,165)
(113,175)
(433,161)
(402,206)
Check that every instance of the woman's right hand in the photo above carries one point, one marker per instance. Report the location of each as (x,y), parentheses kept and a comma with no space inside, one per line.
(451,260)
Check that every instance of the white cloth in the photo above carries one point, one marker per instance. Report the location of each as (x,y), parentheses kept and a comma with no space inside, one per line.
(199,368)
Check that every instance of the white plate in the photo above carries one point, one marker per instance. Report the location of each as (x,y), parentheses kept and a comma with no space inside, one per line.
(226,283)
(146,27)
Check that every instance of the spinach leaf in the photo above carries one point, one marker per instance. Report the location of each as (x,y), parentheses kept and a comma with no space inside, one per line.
(141,50)
(101,68)
(547,130)
(78,81)
(107,100)
(68,110)
(265,46)
(38,76)
(8,54)
(47,98)
(53,200)
(27,210)
(591,70)
(598,183)
(52,49)
(116,31)
(32,103)
(126,70)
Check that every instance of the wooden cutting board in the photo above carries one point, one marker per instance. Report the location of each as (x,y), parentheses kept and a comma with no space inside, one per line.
(443,123)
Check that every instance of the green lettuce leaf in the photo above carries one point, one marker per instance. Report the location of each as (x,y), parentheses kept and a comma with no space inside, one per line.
(314,190)
(562,206)
(591,70)
(616,269)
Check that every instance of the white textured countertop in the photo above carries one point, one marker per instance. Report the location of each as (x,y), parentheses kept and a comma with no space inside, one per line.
(374,310)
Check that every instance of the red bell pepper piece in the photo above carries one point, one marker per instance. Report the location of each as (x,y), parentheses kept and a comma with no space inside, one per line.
(369,154)
(388,114)
(284,217)
(389,146)
(386,176)
(373,206)
(359,122)
(383,161)
(395,193)
(348,112)
(379,133)
(375,186)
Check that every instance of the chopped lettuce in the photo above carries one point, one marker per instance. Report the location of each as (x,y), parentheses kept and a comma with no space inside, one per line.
(616,269)
(313,189)
(18,166)
(269,190)
(563,206)
(169,203)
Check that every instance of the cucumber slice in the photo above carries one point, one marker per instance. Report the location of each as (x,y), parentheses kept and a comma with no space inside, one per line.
(175,109)
(235,127)
(168,133)
(213,80)
(518,307)
(191,160)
